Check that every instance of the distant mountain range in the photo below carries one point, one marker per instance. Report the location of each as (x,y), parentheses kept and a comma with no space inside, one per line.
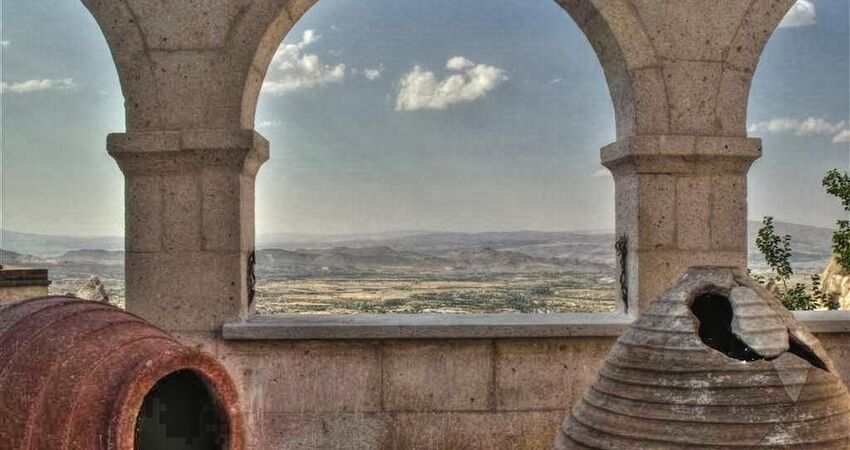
(387,259)
(518,251)
(51,246)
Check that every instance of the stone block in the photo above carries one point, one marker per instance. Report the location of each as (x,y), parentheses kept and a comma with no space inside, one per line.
(143,218)
(207,342)
(199,89)
(649,95)
(755,30)
(438,375)
(181,212)
(528,430)
(692,87)
(626,210)
(311,376)
(656,205)
(693,213)
(657,270)
(190,24)
(546,374)
(223,222)
(187,291)
(621,18)
(729,213)
(691,29)
(732,102)
(322,432)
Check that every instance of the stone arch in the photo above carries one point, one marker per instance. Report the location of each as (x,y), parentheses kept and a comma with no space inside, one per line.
(200,64)
(126,41)
(612,28)
(740,60)
(678,72)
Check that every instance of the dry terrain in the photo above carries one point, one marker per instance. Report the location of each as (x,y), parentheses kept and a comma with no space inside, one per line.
(411,293)
(406,272)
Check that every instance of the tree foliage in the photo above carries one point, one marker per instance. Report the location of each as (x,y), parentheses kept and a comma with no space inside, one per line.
(776,250)
(777,253)
(838,184)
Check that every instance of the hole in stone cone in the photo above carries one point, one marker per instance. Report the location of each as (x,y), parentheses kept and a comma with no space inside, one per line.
(801,350)
(181,412)
(715,327)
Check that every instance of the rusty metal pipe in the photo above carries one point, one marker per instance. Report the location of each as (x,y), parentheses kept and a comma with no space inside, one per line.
(74,375)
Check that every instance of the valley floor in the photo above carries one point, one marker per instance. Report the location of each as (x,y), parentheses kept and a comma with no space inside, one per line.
(405,293)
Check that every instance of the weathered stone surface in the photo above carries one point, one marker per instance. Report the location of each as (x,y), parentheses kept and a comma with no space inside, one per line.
(534,374)
(757,324)
(528,430)
(346,431)
(312,377)
(691,29)
(698,385)
(438,376)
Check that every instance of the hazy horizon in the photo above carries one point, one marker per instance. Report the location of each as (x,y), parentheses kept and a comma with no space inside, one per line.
(364,137)
(402,231)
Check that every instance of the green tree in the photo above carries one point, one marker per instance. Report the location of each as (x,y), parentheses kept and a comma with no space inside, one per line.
(776,250)
(777,253)
(838,184)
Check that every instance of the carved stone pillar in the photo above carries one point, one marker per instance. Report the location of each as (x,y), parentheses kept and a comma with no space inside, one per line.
(189,224)
(681,201)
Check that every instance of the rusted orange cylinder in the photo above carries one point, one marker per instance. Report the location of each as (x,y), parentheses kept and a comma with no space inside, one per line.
(81,375)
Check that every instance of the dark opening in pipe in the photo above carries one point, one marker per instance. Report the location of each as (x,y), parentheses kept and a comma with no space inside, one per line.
(181,413)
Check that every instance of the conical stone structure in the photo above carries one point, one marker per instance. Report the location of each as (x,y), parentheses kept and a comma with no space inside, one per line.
(715,363)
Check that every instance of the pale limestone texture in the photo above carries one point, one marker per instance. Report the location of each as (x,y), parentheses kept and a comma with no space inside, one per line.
(679,74)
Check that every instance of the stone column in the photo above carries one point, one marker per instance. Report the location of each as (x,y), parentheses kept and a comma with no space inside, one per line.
(681,201)
(189,224)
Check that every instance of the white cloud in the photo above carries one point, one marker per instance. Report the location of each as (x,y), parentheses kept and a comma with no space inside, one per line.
(374,73)
(810,126)
(308,38)
(842,137)
(802,14)
(269,124)
(5,44)
(421,89)
(459,63)
(292,70)
(25,87)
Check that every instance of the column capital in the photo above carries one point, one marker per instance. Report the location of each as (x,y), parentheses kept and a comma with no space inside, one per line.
(681,154)
(151,152)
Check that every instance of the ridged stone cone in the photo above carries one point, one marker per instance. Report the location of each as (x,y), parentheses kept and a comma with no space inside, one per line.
(715,363)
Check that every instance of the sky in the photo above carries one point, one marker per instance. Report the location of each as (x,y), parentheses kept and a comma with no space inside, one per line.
(411,115)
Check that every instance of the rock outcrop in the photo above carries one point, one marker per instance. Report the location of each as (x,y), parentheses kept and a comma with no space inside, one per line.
(835,283)
(93,290)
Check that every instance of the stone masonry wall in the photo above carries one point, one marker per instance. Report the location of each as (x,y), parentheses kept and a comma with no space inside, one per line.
(488,394)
